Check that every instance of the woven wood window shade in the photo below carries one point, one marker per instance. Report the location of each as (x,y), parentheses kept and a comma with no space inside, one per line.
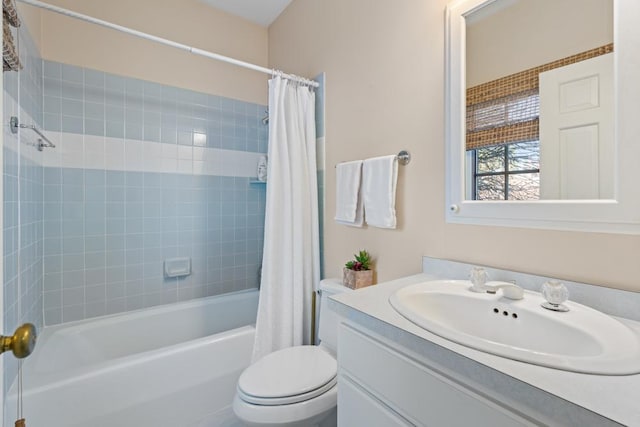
(507,110)
(10,58)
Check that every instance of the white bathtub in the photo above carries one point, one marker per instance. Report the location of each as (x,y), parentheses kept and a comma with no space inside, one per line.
(174,365)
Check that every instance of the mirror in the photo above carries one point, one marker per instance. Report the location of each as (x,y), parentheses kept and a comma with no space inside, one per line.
(582,180)
(539,115)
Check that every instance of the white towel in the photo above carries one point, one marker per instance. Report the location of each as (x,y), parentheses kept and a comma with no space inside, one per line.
(348,201)
(379,178)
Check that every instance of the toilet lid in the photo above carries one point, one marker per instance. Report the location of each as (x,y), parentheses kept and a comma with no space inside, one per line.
(287,376)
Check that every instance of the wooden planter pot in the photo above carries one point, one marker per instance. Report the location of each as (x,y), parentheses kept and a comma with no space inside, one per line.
(357,279)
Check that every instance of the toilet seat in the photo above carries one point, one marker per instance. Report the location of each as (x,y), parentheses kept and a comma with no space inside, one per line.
(288,376)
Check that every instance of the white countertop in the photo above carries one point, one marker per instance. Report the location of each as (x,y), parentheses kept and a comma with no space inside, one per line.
(614,397)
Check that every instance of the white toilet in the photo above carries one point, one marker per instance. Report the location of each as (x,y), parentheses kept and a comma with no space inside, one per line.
(295,386)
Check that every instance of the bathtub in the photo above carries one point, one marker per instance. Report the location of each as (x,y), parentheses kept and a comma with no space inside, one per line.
(174,365)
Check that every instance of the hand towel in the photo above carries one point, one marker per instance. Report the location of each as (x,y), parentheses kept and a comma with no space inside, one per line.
(379,178)
(348,201)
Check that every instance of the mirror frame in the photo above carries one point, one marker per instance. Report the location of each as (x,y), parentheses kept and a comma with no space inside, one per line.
(619,215)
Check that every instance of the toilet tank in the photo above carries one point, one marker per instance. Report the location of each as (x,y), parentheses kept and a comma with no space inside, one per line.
(329,320)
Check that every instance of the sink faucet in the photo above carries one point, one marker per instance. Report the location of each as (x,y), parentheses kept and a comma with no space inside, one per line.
(509,290)
(479,277)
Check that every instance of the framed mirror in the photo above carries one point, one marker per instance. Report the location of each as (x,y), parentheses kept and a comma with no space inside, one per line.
(539,114)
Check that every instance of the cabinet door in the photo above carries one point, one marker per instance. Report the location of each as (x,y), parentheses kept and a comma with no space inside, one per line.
(356,407)
(412,389)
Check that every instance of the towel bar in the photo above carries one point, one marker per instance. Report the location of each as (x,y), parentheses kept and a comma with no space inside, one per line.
(403,157)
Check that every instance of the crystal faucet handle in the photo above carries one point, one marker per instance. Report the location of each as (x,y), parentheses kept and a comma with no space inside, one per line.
(478,276)
(556,293)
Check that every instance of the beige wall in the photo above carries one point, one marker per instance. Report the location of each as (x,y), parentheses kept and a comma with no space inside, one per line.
(384,61)
(530,33)
(32,20)
(190,22)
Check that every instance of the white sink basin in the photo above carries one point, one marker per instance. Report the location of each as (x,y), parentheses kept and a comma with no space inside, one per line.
(580,340)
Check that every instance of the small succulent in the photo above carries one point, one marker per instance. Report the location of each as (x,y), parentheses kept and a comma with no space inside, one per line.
(361,262)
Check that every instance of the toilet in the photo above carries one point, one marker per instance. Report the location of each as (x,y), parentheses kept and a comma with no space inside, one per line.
(295,386)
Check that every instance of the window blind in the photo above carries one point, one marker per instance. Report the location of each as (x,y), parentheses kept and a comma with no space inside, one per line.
(507,110)
(10,58)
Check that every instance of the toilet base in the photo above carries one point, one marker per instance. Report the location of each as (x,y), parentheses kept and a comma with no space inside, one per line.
(294,415)
(322,420)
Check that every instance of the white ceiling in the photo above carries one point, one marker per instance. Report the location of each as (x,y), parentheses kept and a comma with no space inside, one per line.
(262,12)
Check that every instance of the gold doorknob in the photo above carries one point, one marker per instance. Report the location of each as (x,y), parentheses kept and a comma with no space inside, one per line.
(21,343)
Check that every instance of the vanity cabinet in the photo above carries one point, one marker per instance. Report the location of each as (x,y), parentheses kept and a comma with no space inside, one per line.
(381,384)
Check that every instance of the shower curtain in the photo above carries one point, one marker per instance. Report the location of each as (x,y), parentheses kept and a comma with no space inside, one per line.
(291,259)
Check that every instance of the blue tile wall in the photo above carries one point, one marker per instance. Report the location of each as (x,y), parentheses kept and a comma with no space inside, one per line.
(22,182)
(107,233)
(81,100)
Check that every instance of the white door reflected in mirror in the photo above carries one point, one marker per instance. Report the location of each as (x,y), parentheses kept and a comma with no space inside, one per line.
(576,130)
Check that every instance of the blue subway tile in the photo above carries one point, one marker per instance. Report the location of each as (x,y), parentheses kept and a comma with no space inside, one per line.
(95,210)
(115,179)
(151,133)
(115,242)
(93,110)
(72,91)
(134,86)
(71,73)
(94,78)
(114,210)
(94,178)
(185,138)
(115,98)
(72,297)
(94,227)
(134,179)
(52,104)
(114,129)
(94,94)
(72,210)
(93,260)
(95,243)
(116,258)
(94,127)
(114,113)
(71,107)
(114,83)
(72,262)
(52,70)
(133,130)
(52,122)
(72,124)
(115,194)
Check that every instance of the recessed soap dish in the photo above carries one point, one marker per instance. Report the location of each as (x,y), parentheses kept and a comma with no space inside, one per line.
(177,267)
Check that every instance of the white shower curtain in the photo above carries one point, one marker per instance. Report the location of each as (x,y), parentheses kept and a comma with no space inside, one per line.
(291,259)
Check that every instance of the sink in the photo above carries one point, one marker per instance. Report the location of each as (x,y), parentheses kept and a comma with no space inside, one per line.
(581,340)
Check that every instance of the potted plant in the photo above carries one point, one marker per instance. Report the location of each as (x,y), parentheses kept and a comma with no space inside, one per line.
(357,273)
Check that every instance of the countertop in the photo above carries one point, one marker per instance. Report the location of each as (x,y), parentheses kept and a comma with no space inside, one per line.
(614,397)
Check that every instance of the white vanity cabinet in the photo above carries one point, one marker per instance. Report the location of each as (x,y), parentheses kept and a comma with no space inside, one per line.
(381,384)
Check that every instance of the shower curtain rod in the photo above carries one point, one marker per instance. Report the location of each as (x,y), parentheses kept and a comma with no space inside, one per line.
(193,50)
